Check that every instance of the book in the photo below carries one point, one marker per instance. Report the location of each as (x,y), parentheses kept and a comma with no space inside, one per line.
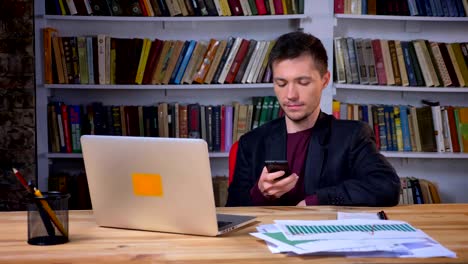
(401,63)
(440,64)
(425,62)
(237,61)
(446,130)
(379,62)
(229,60)
(185,61)
(47,34)
(245,62)
(462,127)
(438,130)
(208,58)
(195,62)
(223,59)
(264,65)
(453,129)
(253,58)
(172,63)
(162,59)
(426,129)
(387,60)
(361,62)
(461,62)
(353,60)
(216,61)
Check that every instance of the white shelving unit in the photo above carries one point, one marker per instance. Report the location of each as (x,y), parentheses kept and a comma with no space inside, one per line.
(402,18)
(448,170)
(317,19)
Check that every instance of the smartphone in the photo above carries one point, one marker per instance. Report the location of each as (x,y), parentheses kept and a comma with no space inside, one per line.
(278,165)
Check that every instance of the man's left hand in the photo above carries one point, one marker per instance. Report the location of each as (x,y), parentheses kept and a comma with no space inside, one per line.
(302,203)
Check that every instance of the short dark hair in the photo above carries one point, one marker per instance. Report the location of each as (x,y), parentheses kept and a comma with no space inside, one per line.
(294,44)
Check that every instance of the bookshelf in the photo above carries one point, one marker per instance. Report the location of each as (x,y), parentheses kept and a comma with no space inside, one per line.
(317,19)
(448,170)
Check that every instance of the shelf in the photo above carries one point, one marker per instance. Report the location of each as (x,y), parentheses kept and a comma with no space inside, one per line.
(80,156)
(160,87)
(401,88)
(173,19)
(403,18)
(424,155)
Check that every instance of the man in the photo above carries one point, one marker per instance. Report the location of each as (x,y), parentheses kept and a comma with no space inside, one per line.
(333,162)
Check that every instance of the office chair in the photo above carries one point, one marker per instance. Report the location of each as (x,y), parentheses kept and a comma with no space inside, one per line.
(232,160)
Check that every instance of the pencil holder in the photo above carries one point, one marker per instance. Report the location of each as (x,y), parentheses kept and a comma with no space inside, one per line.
(48,219)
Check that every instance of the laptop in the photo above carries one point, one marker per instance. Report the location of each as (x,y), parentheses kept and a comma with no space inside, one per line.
(155,184)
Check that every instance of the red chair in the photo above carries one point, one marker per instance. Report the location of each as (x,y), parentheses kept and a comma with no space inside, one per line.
(232,160)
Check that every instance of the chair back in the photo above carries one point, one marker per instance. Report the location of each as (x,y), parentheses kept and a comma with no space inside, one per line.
(232,160)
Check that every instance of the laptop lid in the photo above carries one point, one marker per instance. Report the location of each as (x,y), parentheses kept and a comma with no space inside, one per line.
(157,184)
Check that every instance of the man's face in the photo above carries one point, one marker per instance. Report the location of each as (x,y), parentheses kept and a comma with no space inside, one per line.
(298,86)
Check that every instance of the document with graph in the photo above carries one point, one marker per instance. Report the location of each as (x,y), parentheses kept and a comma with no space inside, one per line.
(351,237)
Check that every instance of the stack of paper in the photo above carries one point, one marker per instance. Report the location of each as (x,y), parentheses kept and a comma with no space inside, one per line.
(351,237)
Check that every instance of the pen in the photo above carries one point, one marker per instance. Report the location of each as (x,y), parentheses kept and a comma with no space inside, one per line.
(43,204)
(43,214)
(382,215)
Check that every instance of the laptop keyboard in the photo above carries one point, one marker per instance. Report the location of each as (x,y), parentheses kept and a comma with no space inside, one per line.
(223,224)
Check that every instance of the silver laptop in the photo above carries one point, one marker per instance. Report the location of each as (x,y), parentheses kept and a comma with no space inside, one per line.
(156,184)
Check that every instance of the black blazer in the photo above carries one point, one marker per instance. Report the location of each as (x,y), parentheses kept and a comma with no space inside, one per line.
(343,165)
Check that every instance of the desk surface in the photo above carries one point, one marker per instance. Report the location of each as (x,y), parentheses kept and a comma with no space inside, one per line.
(447,223)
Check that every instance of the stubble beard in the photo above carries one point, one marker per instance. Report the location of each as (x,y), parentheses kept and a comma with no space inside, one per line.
(300,119)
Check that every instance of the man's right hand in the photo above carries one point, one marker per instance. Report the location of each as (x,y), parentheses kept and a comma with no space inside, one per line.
(272,188)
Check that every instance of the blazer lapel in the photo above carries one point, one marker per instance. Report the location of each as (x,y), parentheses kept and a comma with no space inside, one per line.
(317,154)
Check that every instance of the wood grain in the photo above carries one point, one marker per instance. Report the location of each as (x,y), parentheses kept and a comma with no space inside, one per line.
(447,223)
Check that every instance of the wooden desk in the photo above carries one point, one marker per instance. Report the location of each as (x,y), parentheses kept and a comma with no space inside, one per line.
(447,223)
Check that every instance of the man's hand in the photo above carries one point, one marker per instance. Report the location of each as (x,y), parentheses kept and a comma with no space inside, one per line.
(272,188)
(302,203)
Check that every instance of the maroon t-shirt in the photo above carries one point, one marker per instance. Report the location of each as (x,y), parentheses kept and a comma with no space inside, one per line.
(297,144)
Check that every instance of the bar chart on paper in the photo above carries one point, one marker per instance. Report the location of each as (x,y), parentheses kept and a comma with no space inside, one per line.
(347,229)
(351,237)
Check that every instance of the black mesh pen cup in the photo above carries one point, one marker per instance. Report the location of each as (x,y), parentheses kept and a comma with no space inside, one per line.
(48,219)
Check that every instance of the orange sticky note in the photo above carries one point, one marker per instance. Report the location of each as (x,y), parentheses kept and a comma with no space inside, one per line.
(145,184)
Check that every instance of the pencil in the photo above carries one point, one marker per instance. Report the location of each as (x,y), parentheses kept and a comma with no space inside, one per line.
(42,212)
(37,193)
(50,212)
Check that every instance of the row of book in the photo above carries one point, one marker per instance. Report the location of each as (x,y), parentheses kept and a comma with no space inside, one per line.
(75,183)
(432,128)
(172,8)
(412,190)
(436,8)
(219,125)
(418,191)
(400,63)
(220,189)
(105,60)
